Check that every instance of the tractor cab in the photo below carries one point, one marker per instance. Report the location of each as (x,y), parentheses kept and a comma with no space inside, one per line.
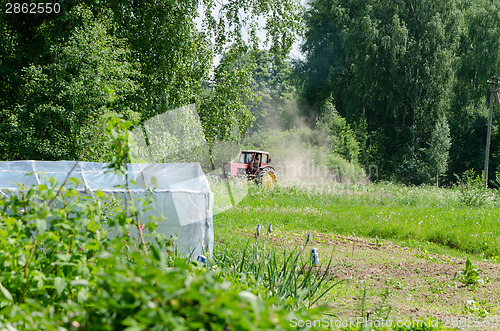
(254,160)
(254,165)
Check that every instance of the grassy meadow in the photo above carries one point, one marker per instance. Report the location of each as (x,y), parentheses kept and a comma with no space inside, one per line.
(409,215)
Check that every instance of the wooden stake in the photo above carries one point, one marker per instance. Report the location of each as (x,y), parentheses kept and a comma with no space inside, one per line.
(493,83)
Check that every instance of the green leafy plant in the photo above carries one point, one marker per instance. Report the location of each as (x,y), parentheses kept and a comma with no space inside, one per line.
(383,308)
(49,240)
(185,296)
(362,304)
(471,189)
(470,275)
(397,284)
(477,306)
(436,287)
(154,292)
(379,310)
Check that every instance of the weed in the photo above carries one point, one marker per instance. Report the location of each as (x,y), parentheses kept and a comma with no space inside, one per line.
(471,189)
(383,309)
(345,263)
(362,300)
(380,310)
(436,287)
(424,254)
(477,306)
(395,283)
(469,275)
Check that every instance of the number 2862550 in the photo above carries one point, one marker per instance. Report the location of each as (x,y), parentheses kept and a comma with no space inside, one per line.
(32,8)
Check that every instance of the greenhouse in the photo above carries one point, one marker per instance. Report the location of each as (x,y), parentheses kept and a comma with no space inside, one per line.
(181,194)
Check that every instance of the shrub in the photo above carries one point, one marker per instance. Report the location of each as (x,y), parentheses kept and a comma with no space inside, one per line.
(471,189)
(342,136)
(344,171)
(48,242)
(148,295)
(186,296)
(412,171)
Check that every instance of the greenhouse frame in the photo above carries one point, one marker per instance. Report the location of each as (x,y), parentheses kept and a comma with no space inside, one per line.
(180,192)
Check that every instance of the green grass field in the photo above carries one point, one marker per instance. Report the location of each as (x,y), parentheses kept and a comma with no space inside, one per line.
(408,215)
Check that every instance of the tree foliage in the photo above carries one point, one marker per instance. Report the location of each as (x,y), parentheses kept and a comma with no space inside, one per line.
(156,56)
(391,69)
(439,149)
(343,140)
(225,109)
(273,79)
(61,87)
(395,68)
(479,59)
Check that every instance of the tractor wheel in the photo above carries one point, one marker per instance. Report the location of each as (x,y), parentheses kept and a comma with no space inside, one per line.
(267,177)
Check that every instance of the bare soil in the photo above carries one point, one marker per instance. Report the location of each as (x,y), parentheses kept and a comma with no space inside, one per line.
(422,285)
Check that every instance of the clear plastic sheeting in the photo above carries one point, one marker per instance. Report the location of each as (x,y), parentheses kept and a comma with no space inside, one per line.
(180,191)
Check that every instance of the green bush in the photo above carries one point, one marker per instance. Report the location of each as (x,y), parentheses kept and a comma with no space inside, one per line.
(143,295)
(471,189)
(340,133)
(186,296)
(412,171)
(48,243)
(345,171)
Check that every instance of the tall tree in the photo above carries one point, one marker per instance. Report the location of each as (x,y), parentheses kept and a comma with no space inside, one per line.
(479,59)
(273,82)
(155,54)
(439,149)
(389,66)
(59,87)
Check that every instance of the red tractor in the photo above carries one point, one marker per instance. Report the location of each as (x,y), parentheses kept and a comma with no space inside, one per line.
(253,165)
